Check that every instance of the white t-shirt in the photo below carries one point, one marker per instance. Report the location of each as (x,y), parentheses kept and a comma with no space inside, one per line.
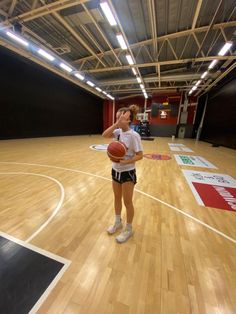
(132,141)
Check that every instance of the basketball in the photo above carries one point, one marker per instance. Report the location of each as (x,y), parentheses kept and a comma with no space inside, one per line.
(116,150)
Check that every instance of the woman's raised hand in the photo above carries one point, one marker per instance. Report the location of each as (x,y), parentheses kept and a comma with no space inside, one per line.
(123,120)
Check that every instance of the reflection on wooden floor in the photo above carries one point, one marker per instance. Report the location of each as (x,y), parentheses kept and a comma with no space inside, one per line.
(171,265)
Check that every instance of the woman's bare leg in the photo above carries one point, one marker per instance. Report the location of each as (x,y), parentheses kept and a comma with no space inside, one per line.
(117,189)
(127,193)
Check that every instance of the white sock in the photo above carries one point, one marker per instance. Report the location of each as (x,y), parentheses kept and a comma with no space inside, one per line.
(128,227)
(117,218)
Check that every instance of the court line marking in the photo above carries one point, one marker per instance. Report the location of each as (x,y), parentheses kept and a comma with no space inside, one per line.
(148,195)
(56,210)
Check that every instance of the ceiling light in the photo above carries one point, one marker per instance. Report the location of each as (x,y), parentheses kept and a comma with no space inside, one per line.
(194,87)
(107,11)
(198,82)
(225,48)
(141,85)
(129,59)
(212,64)
(90,83)
(79,76)
(134,71)
(112,98)
(204,75)
(121,41)
(18,39)
(45,55)
(98,89)
(65,67)
(138,79)
(190,92)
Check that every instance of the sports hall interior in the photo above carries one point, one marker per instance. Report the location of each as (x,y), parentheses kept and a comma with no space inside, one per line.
(66,67)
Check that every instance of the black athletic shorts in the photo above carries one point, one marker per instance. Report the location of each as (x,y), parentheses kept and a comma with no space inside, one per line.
(124,176)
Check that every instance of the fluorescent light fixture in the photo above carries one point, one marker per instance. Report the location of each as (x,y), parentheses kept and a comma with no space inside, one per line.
(18,39)
(194,88)
(145,95)
(225,48)
(204,75)
(141,85)
(129,59)
(65,67)
(212,64)
(134,71)
(107,11)
(190,92)
(45,55)
(138,79)
(79,76)
(198,82)
(90,83)
(98,89)
(121,41)
(112,98)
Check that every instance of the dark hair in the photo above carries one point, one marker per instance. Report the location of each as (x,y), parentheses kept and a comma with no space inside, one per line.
(134,109)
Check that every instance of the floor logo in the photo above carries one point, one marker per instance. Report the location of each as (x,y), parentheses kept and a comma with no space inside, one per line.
(100,147)
(157,156)
(212,189)
(196,161)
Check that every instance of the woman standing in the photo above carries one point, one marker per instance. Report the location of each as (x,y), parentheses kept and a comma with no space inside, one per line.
(124,172)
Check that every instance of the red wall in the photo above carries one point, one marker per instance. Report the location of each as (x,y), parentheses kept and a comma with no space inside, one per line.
(107,113)
(140,101)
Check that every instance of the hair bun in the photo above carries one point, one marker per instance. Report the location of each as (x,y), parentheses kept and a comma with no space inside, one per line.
(134,109)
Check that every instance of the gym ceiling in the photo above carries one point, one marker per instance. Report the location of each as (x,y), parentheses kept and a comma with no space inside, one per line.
(169,45)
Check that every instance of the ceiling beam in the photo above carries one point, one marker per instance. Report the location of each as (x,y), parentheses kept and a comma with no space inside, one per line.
(101,32)
(44,10)
(196,15)
(124,35)
(76,36)
(170,62)
(217,79)
(210,26)
(163,38)
(164,78)
(12,7)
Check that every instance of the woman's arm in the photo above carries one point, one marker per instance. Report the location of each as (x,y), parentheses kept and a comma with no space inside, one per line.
(109,131)
(137,156)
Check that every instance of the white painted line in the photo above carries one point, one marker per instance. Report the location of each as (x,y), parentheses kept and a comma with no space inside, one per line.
(56,210)
(139,191)
(190,216)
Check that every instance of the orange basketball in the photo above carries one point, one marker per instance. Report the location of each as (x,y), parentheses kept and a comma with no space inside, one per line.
(116,150)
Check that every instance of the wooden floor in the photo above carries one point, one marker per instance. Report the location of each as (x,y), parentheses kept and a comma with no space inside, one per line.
(173,264)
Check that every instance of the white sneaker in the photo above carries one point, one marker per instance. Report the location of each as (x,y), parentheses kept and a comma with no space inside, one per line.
(124,236)
(112,229)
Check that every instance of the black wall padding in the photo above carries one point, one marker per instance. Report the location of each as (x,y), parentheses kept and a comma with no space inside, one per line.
(155,109)
(219,126)
(35,102)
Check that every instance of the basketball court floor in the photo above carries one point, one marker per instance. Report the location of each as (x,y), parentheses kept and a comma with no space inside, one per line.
(56,203)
